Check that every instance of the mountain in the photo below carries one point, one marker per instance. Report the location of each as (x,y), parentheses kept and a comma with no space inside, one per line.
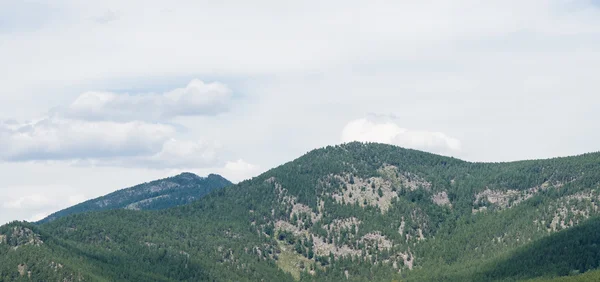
(159,194)
(352,212)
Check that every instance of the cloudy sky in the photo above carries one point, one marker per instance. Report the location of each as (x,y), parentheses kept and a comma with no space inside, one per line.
(101,95)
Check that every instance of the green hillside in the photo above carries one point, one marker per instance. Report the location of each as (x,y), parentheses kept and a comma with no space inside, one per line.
(352,212)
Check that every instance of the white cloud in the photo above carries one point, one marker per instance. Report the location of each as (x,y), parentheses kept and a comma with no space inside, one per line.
(240,170)
(182,154)
(104,143)
(366,130)
(105,128)
(58,138)
(196,99)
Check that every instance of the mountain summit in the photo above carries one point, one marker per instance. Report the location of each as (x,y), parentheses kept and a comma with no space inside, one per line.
(159,194)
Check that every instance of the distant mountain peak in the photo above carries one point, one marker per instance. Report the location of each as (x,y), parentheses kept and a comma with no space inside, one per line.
(164,193)
(188,175)
(215,176)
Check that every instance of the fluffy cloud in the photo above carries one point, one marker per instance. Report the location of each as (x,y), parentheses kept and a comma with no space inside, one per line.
(196,99)
(59,139)
(106,128)
(366,130)
(104,143)
(240,170)
(183,154)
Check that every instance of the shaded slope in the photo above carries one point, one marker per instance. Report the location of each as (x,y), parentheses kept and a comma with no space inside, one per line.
(575,250)
(568,252)
(159,194)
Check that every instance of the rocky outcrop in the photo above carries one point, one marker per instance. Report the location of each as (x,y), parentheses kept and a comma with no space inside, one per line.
(441,199)
(21,236)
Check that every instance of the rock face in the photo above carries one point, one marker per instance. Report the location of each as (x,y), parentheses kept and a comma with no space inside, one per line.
(22,268)
(508,198)
(441,199)
(19,236)
(377,191)
(160,194)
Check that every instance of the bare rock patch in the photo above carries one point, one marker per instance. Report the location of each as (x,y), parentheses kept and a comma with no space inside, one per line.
(441,199)
(374,191)
(375,239)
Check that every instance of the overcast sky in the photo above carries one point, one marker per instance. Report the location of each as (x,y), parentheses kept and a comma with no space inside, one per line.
(100,95)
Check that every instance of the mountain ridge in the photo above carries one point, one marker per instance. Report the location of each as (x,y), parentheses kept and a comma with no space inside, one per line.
(349,212)
(158,194)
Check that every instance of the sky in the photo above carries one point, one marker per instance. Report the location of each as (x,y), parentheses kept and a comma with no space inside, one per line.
(97,96)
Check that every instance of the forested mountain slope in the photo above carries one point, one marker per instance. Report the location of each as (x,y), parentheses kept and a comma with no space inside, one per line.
(159,194)
(352,212)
